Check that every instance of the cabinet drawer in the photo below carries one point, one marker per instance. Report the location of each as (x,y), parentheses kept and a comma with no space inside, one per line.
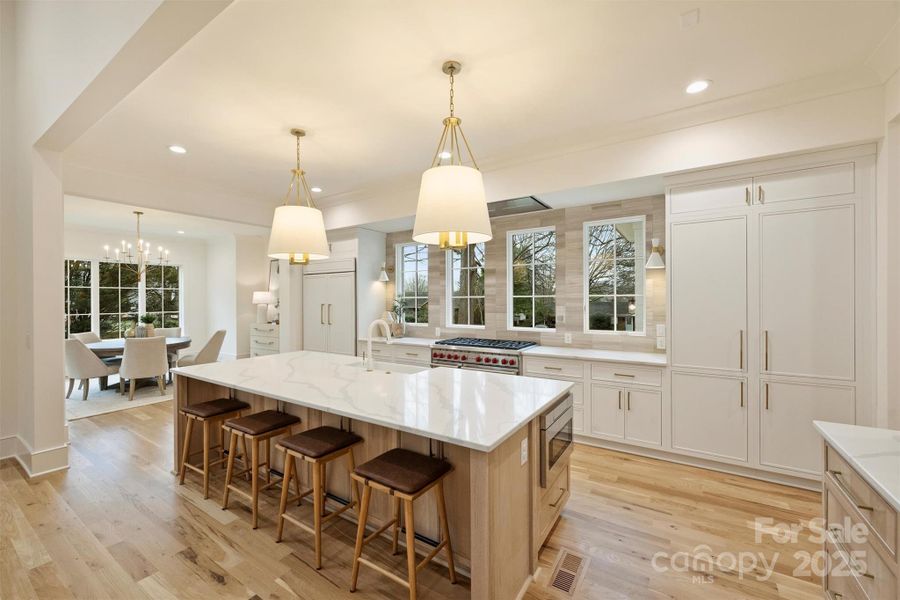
(264,329)
(421,354)
(550,366)
(382,350)
(710,196)
(838,582)
(256,352)
(803,184)
(553,498)
(624,374)
(263,343)
(878,515)
(856,556)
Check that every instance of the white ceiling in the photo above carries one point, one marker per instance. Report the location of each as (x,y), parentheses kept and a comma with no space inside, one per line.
(110,216)
(364,78)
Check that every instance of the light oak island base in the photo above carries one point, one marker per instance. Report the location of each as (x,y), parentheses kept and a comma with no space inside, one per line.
(492,498)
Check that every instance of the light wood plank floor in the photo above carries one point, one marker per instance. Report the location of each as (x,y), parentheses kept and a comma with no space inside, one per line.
(115,526)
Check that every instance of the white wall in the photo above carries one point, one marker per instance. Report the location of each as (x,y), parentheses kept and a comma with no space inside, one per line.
(221,264)
(190,255)
(251,274)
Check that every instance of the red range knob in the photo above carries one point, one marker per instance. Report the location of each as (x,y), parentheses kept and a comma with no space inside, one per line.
(477,359)
(512,362)
(441,355)
(494,361)
(504,361)
(463,357)
(456,357)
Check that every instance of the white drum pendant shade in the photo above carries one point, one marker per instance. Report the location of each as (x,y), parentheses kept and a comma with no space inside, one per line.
(297,231)
(451,199)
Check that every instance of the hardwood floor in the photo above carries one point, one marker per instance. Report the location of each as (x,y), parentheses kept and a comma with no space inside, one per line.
(116,526)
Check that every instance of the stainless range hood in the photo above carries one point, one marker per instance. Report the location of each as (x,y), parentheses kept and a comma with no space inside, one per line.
(515,206)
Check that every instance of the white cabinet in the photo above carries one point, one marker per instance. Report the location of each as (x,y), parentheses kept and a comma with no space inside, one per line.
(329,313)
(632,414)
(710,196)
(709,415)
(807,287)
(788,439)
(264,339)
(708,283)
(804,184)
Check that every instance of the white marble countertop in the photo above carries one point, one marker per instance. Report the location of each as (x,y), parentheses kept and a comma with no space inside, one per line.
(619,356)
(474,409)
(874,452)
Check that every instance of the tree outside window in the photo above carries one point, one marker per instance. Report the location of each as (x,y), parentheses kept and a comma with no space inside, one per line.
(614,275)
(532,279)
(78,296)
(465,286)
(412,282)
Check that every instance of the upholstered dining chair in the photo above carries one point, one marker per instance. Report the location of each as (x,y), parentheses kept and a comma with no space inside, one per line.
(169,332)
(209,353)
(88,337)
(144,358)
(84,365)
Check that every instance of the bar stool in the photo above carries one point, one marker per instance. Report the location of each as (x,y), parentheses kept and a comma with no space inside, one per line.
(255,428)
(317,447)
(405,475)
(208,413)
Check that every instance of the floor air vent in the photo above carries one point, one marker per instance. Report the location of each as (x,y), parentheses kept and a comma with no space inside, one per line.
(568,572)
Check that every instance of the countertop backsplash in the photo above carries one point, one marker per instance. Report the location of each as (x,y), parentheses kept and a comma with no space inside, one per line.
(569,223)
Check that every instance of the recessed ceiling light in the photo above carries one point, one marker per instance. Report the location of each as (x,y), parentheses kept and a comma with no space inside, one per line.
(316,189)
(445,154)
(695,87)
(180,232)
(178,149)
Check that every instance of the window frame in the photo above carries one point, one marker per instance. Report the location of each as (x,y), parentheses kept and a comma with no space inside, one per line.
(640,261)
(509,278)
(448,290)
(398,284)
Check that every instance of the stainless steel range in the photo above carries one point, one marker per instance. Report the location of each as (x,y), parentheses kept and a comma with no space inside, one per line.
(499,356)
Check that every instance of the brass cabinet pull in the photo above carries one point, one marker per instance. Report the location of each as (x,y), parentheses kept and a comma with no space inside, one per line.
(322,314)
(747,195)
(742,393)
(562,492)
(620,399)
(842,485)
(329,315)
(624,375)
(759,194)
(411,354)
(767,396)
(628,400)
(766,348)
(742,349)
(553,368)
(836,531)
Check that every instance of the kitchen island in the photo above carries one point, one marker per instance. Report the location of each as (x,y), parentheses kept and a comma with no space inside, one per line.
(485,424)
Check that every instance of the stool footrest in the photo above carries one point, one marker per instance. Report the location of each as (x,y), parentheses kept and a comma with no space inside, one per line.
(431,555)
(378,531)
(383,571)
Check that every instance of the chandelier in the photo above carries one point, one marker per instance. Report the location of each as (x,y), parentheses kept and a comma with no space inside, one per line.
(298,231)
(452,210)
(137,257)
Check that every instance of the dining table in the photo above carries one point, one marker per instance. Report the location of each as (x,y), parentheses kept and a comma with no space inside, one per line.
(116,347)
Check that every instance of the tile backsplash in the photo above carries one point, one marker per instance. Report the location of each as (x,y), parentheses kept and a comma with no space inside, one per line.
(569,283)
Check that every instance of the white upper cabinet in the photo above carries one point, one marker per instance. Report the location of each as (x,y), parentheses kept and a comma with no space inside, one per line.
(708,264)
(807,290)
(710,196)
(804,184)
(340,314)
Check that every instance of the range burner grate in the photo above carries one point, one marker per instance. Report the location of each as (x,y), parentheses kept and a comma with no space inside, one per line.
(482,343)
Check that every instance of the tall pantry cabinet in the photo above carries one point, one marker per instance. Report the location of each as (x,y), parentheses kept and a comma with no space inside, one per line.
(770,270)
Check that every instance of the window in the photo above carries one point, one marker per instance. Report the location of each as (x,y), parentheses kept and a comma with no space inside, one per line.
(78,296)
(465,286)
(614,275)
(531,278)
(118,292)
(162,294)
(412,282)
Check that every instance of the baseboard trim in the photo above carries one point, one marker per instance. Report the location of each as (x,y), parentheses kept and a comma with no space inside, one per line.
(683,459)
(35,463)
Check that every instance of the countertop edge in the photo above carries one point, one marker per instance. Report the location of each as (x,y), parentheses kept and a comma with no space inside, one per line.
(822,428)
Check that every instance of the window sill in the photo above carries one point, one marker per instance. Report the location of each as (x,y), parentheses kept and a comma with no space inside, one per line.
(616,333)
(464,327)
(538,329)
(416,324)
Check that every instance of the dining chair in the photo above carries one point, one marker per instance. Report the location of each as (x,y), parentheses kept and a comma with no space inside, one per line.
(170,332)
(208,354)
(88,337)
(144,358)
(84,365)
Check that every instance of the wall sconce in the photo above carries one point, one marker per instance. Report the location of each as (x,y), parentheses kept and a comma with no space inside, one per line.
(383,278)
(655,261)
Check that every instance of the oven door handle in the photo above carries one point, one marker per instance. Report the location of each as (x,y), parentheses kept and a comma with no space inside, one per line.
(560,423)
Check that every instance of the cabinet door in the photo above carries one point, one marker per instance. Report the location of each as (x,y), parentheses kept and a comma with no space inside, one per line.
(805,184)
(710,196)
(315,297)
(788,439)
(708,262)
(709,415)
(807,290)
(340,313)
(643,416)
(607,414)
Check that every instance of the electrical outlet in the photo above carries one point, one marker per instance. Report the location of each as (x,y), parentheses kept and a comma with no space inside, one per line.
(660,343)
(660,331)
(523,458)
(437,332)
(568,338)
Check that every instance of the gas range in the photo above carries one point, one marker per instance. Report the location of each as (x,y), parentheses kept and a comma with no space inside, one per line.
(500,356)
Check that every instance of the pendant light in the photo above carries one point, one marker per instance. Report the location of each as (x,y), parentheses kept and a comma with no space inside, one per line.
(452,210)
(298,231)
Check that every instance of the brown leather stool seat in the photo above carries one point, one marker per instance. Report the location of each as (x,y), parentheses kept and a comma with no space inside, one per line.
(208,414)
(213,408)
(403,470)
(262,422)
(316,443)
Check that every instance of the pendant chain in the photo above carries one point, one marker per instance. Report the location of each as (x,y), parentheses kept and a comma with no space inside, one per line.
(451,92)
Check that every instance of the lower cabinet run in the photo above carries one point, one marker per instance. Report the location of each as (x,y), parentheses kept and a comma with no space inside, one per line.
(627,413)
(709,415)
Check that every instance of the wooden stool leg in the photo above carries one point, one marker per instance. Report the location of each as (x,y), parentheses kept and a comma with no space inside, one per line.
(354,484)
(410,547)
(232,449)
(317,511)
(394,547)
(254,485)
(285,490)
(360,535)
(442,513)
(205,459)
(297,482)
(246,456)
(268,461)
(222,445)
(185,450)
